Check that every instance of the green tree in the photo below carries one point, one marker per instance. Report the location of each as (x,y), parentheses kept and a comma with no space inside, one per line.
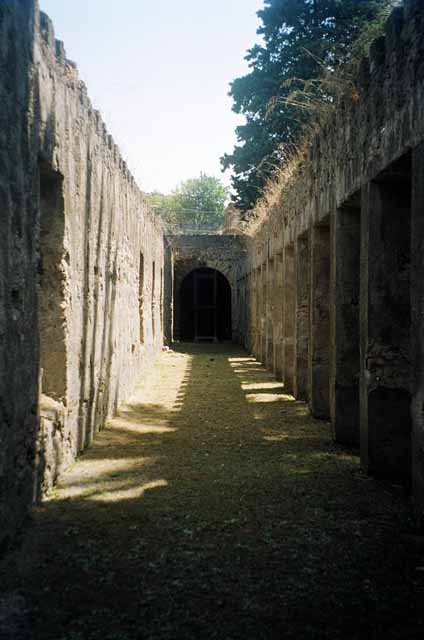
(301,39)
(164,205)
(196,201)
(201,200)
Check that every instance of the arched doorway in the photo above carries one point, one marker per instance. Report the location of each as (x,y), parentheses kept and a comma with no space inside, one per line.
(205,299)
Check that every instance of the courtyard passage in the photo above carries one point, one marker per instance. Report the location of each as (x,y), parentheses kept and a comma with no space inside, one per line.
(214,506)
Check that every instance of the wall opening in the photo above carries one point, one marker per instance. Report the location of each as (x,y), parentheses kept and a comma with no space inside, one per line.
(141,297)
(345,366)
(278,301)
(302,263)
(51,285)
(417,335)
(319,356)
(270,337)
(153,299)
(289,319)
(257,291)
(264,311)
(248,312)
(161,301)
(244,310)
(385,324)
(205,306)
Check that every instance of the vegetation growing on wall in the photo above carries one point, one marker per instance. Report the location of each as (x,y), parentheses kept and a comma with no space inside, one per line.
(296,72)
(196,202)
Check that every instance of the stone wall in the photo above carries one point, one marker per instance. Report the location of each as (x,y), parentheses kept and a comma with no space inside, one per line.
(225,253)
(82,268)
(327,291)
(18,260)
(346,318)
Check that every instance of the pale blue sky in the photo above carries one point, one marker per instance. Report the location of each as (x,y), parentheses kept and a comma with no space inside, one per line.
(159,73)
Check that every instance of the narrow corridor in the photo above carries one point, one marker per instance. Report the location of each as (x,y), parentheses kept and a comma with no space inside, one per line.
(213,506)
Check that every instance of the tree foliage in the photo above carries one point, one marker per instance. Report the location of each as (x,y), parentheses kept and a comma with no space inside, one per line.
(300,40)
(196,201)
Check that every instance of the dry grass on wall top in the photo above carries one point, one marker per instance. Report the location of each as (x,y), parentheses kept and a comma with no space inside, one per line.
(320,97)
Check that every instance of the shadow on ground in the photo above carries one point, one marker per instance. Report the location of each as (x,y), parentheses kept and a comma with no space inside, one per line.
(214,506)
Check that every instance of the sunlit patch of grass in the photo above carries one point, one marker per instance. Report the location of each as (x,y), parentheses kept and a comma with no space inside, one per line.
(116,494)
(142,429)
(281,437)
(336,456)
(92,476)
(225,518)
(251,386)
(250,370)
(265,398)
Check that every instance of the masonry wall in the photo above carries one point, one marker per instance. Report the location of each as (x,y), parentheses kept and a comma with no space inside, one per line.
(107,243)
(18,259)
(225,253)
(346,298)
(327,291)
(82,267)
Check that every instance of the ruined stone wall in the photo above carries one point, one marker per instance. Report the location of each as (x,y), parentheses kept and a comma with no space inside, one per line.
(106,238)
(364,135)
(370,129)
(82,267)
(327,291)
(337,292)
(18,259)
(225,253)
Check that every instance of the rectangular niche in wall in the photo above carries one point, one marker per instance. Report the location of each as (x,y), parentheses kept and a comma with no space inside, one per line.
(302,316)
(51,285)
(319,337)
(345,357)
(289,319)
(385,323)
(161,300)
(141,296)
(153,299)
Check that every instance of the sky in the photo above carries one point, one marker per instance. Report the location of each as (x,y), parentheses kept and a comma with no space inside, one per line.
(159,72)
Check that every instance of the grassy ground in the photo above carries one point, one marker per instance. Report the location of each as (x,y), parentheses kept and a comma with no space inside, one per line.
(213,506)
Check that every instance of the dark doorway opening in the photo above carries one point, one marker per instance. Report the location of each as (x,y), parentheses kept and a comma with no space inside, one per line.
(205,306)
(386,326)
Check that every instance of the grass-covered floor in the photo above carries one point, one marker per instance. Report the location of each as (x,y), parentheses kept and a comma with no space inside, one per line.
(213,506)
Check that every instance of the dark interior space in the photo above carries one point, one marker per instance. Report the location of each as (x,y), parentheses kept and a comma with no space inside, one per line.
(205,306)
(389,399)
(347,360)
(141,297)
